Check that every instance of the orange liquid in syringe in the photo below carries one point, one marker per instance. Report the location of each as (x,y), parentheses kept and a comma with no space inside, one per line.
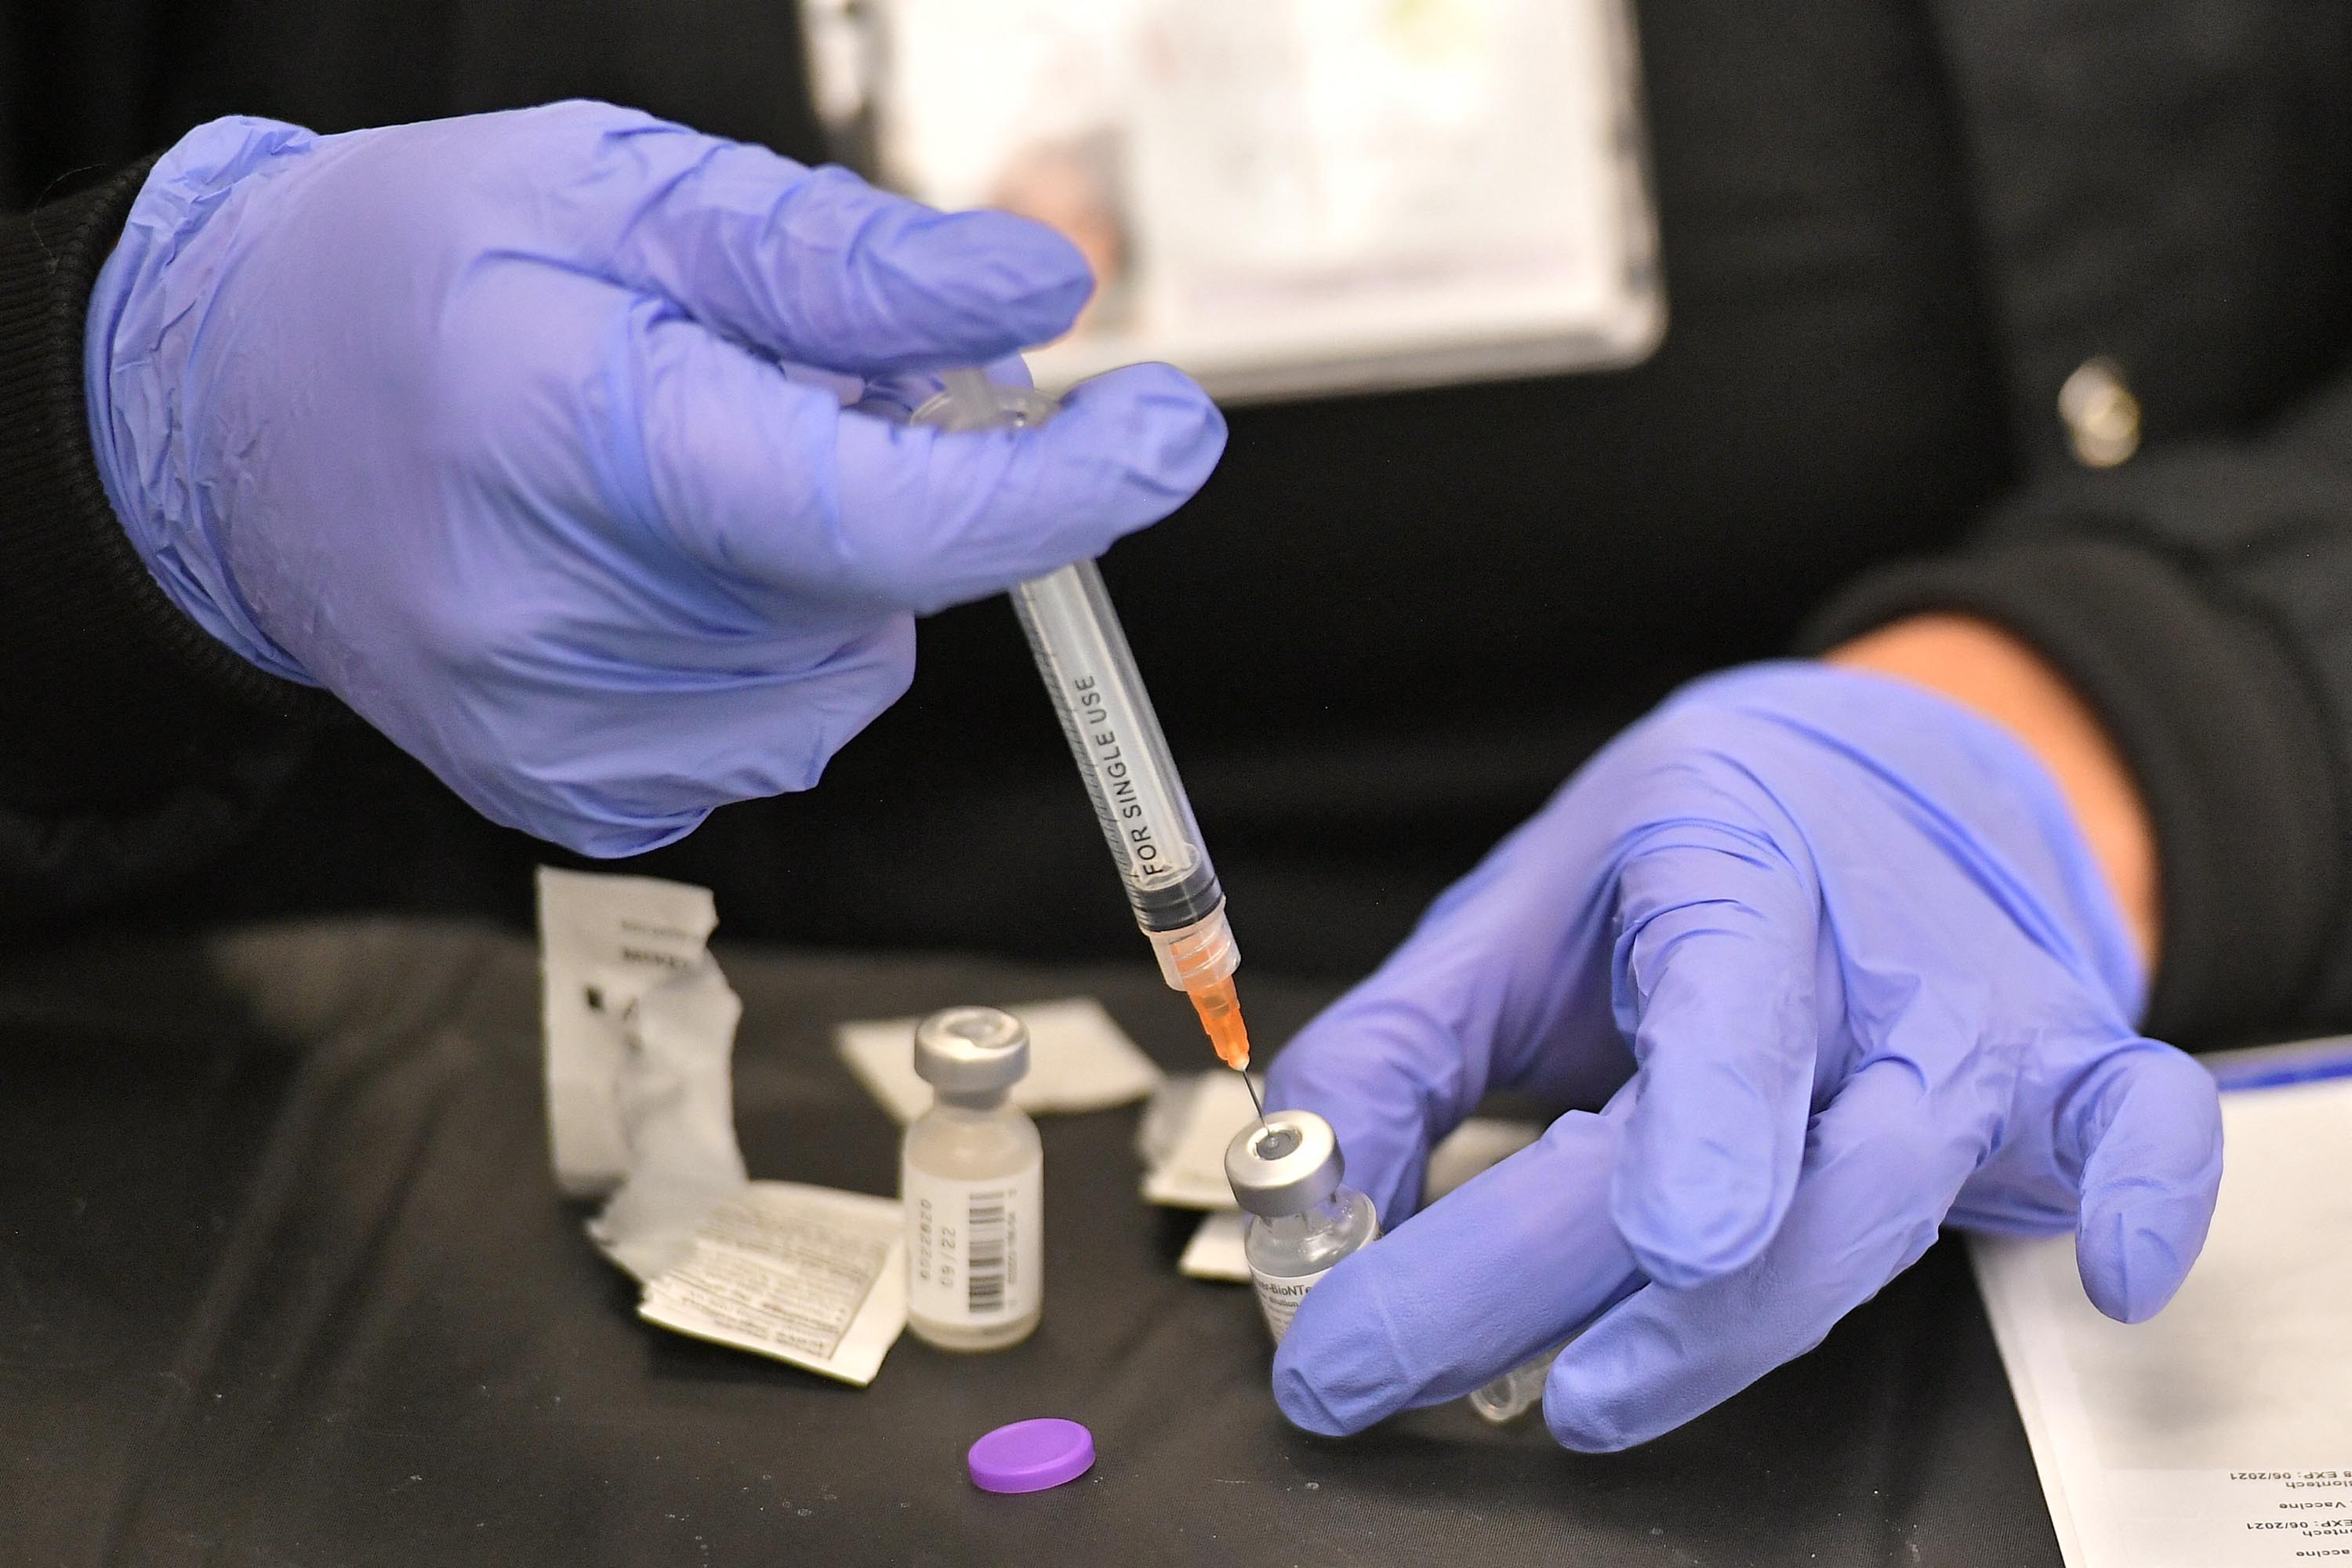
(1221,1015)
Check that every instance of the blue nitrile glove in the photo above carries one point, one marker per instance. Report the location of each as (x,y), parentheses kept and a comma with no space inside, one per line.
(525,434)
(1873,979)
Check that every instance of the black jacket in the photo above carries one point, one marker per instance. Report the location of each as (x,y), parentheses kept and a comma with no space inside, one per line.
(1891,232)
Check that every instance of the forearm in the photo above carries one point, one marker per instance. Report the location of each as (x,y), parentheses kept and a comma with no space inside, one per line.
(2210,676)
(1988,669)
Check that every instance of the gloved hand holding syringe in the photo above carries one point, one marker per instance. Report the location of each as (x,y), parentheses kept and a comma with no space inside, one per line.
(1107,719)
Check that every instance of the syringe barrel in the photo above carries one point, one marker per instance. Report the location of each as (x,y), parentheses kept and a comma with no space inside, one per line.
(1082,652)
(1114,735)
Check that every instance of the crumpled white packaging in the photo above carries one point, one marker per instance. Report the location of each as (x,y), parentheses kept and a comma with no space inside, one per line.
(603,941)
(677,1106)
(640,1038)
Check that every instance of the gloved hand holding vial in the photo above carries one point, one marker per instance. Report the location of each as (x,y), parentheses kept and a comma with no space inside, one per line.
(1845,967)
(1303,1221)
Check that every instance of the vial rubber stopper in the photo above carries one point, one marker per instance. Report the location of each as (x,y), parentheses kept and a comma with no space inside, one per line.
(1285,1164)
(1031,1456)
(972,1050)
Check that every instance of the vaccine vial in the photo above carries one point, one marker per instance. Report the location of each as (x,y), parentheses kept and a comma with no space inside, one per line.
(971,1179)
(1300,1219)
(1515,1392)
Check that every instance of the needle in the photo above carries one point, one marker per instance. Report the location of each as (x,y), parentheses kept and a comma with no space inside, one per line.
(1254,1099)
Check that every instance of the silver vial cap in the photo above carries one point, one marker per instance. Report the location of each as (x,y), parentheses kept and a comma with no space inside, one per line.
(972,1050)
(1286,1166)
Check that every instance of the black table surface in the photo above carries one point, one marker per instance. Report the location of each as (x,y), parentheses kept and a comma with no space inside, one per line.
(284,1279)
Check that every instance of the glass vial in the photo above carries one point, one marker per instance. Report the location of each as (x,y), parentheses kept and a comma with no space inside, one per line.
(1300,1221)
(971,1179)
(1517,1392)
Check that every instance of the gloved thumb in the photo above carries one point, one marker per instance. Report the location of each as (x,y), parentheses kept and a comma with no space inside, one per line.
(2147,1125)
(1513,1262)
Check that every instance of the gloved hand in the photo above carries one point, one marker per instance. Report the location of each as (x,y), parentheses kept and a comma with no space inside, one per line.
(1872,978)
(526,435)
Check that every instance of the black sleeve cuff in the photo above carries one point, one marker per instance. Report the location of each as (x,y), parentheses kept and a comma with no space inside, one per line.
(132,743)
(81,619)
(2220,727)
(78,611)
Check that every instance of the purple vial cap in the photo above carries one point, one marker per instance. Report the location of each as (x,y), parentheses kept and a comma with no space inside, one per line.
(1030,1456)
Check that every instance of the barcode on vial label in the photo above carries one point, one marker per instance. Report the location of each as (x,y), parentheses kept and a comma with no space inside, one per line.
(983,1258)
(972,1248)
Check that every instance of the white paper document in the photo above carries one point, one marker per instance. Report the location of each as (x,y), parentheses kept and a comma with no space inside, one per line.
(1182,1137)
(1216,1250)
(2219,1434)
(1284,197)
(1079,1060)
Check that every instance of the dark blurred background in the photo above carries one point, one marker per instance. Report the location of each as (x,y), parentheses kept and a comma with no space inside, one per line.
(1389,625)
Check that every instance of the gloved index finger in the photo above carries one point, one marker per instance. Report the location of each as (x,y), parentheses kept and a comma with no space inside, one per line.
(811,264)
(1716,963)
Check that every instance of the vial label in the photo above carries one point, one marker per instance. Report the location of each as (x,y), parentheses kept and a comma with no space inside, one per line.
(1278,1296)
(975,1250)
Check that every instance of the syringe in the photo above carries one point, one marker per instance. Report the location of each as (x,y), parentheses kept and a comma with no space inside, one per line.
(1107,720)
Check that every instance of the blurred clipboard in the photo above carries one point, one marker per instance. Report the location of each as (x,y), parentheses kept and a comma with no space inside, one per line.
(2219,1433)
(1282,196)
